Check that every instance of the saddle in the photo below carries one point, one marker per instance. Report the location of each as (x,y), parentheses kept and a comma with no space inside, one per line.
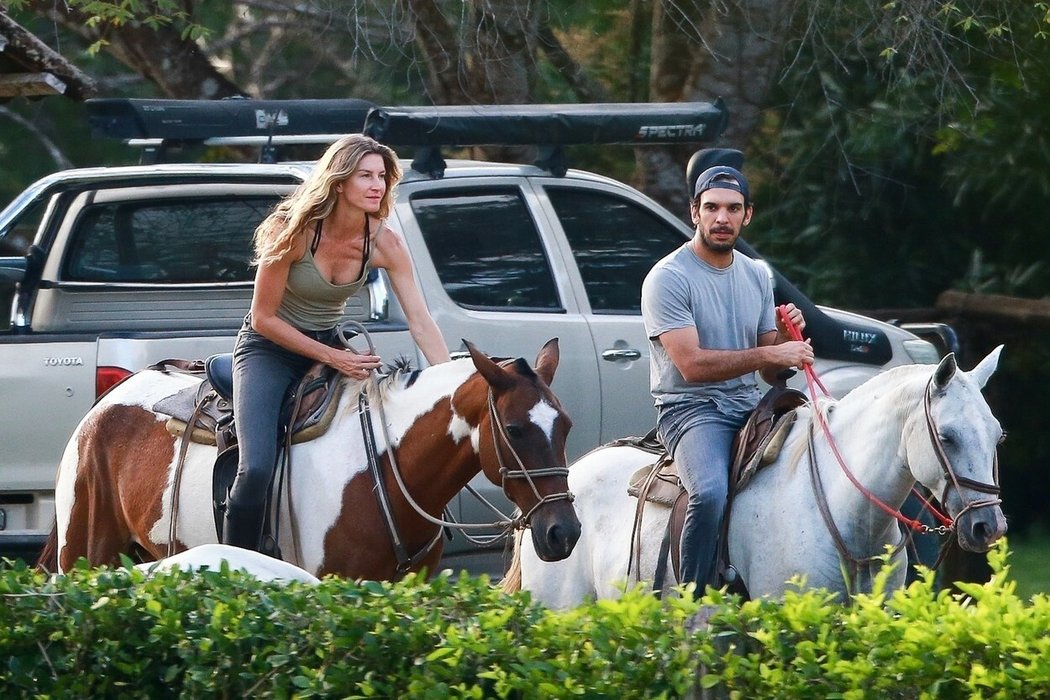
(757,445)
(206,410)
(203,414)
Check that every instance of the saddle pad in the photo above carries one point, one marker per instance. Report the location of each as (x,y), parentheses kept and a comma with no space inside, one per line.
(656,483)
(650,442)
(321,389)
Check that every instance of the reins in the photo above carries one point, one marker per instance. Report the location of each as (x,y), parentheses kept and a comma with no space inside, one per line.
(947,524)
(505,524)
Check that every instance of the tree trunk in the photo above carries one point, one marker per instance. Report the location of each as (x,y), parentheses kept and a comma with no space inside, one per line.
(488,59)
(703,51)
(738,60)
(175,65)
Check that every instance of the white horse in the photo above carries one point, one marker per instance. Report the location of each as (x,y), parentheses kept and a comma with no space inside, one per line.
(912,423)
(215,556)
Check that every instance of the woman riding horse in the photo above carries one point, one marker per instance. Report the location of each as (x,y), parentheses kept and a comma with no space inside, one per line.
(313,252)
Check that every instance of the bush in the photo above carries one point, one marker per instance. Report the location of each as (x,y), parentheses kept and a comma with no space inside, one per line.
(116,633)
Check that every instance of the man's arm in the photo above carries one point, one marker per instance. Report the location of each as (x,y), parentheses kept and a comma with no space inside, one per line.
(699,364)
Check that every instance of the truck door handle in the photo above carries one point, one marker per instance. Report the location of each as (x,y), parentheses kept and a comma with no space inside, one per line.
(620,354)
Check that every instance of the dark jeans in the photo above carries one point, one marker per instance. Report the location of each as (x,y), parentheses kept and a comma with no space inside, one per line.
(263,374)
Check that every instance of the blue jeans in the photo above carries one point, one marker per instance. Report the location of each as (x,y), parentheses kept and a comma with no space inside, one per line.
(263,374)
(700,439)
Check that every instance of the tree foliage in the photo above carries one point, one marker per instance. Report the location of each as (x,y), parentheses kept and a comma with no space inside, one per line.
(897,148)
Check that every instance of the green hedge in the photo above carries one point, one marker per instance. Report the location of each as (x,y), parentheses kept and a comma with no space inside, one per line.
(115,633)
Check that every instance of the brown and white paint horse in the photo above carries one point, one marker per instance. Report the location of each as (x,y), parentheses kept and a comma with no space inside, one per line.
(114,492)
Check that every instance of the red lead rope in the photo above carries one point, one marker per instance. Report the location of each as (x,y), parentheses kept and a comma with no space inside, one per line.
(813,381)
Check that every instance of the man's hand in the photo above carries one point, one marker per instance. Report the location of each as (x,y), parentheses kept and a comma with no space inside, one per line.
(794,314)
(793,353)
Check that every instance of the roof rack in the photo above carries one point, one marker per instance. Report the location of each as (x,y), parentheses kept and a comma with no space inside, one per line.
(160,125)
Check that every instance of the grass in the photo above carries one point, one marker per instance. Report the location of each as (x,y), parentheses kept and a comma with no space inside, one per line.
(1030,562)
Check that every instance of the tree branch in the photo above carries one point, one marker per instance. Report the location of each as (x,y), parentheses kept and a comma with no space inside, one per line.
(175,65)
(61,162)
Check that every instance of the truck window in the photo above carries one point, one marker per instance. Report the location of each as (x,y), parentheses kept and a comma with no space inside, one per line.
(615,242)
(486,249)
(15,242)
(166,241)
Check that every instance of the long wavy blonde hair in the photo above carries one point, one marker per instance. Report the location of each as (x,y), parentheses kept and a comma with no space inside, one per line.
(315,198)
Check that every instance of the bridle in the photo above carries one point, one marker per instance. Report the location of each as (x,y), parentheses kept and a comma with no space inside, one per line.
(952,479)
(505,524)
(529,475)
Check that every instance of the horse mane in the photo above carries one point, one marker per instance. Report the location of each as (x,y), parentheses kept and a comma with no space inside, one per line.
(400,375)
(895,387)
(402,366)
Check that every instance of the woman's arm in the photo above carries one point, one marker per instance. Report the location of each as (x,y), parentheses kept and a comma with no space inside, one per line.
(270,281)
(392,255)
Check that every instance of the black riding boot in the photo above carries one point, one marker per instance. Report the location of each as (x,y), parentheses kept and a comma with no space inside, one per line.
(242,525)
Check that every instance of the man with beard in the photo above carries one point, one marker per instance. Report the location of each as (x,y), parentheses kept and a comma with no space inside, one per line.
(710,318)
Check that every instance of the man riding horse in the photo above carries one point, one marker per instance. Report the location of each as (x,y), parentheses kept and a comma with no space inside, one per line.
(710,320)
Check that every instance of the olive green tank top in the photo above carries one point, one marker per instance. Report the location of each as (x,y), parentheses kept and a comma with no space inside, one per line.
(310,301)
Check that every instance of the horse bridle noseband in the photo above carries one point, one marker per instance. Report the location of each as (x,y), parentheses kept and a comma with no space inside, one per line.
(505,523)
(951,478)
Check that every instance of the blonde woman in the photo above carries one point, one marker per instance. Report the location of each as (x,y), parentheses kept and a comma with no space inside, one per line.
(313,252)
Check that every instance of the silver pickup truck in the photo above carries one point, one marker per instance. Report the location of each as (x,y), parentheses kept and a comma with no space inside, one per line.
(125,266)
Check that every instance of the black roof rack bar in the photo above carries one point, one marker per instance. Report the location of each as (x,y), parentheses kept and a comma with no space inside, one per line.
(248,141)
(545,124)
(197,120)
(548,124)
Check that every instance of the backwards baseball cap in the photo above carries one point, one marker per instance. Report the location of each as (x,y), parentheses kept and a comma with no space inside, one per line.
(722,177)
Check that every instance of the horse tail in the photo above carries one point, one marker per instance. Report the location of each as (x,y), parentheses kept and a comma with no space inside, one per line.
(48,559)
(512,579)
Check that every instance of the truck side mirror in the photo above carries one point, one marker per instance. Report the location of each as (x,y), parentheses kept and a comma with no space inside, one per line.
(13,269)
(708,158)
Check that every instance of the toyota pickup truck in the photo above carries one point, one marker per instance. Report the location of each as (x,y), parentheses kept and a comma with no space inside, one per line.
(119,267)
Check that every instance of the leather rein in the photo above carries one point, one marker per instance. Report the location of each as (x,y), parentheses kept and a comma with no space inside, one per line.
(951,478)
(500,442)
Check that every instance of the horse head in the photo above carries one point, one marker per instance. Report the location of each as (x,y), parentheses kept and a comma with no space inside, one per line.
(525,447)
(952,450)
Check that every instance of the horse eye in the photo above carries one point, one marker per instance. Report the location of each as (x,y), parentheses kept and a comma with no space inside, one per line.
(514,430)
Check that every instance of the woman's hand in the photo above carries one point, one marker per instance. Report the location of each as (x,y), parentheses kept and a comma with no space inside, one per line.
(352,364)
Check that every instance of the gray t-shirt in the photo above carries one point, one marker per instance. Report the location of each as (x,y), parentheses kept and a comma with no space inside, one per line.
(729,307)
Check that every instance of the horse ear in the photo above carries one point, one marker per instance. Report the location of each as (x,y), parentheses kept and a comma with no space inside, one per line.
(945,371)
(497,377)
(547,361)
(986,367)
